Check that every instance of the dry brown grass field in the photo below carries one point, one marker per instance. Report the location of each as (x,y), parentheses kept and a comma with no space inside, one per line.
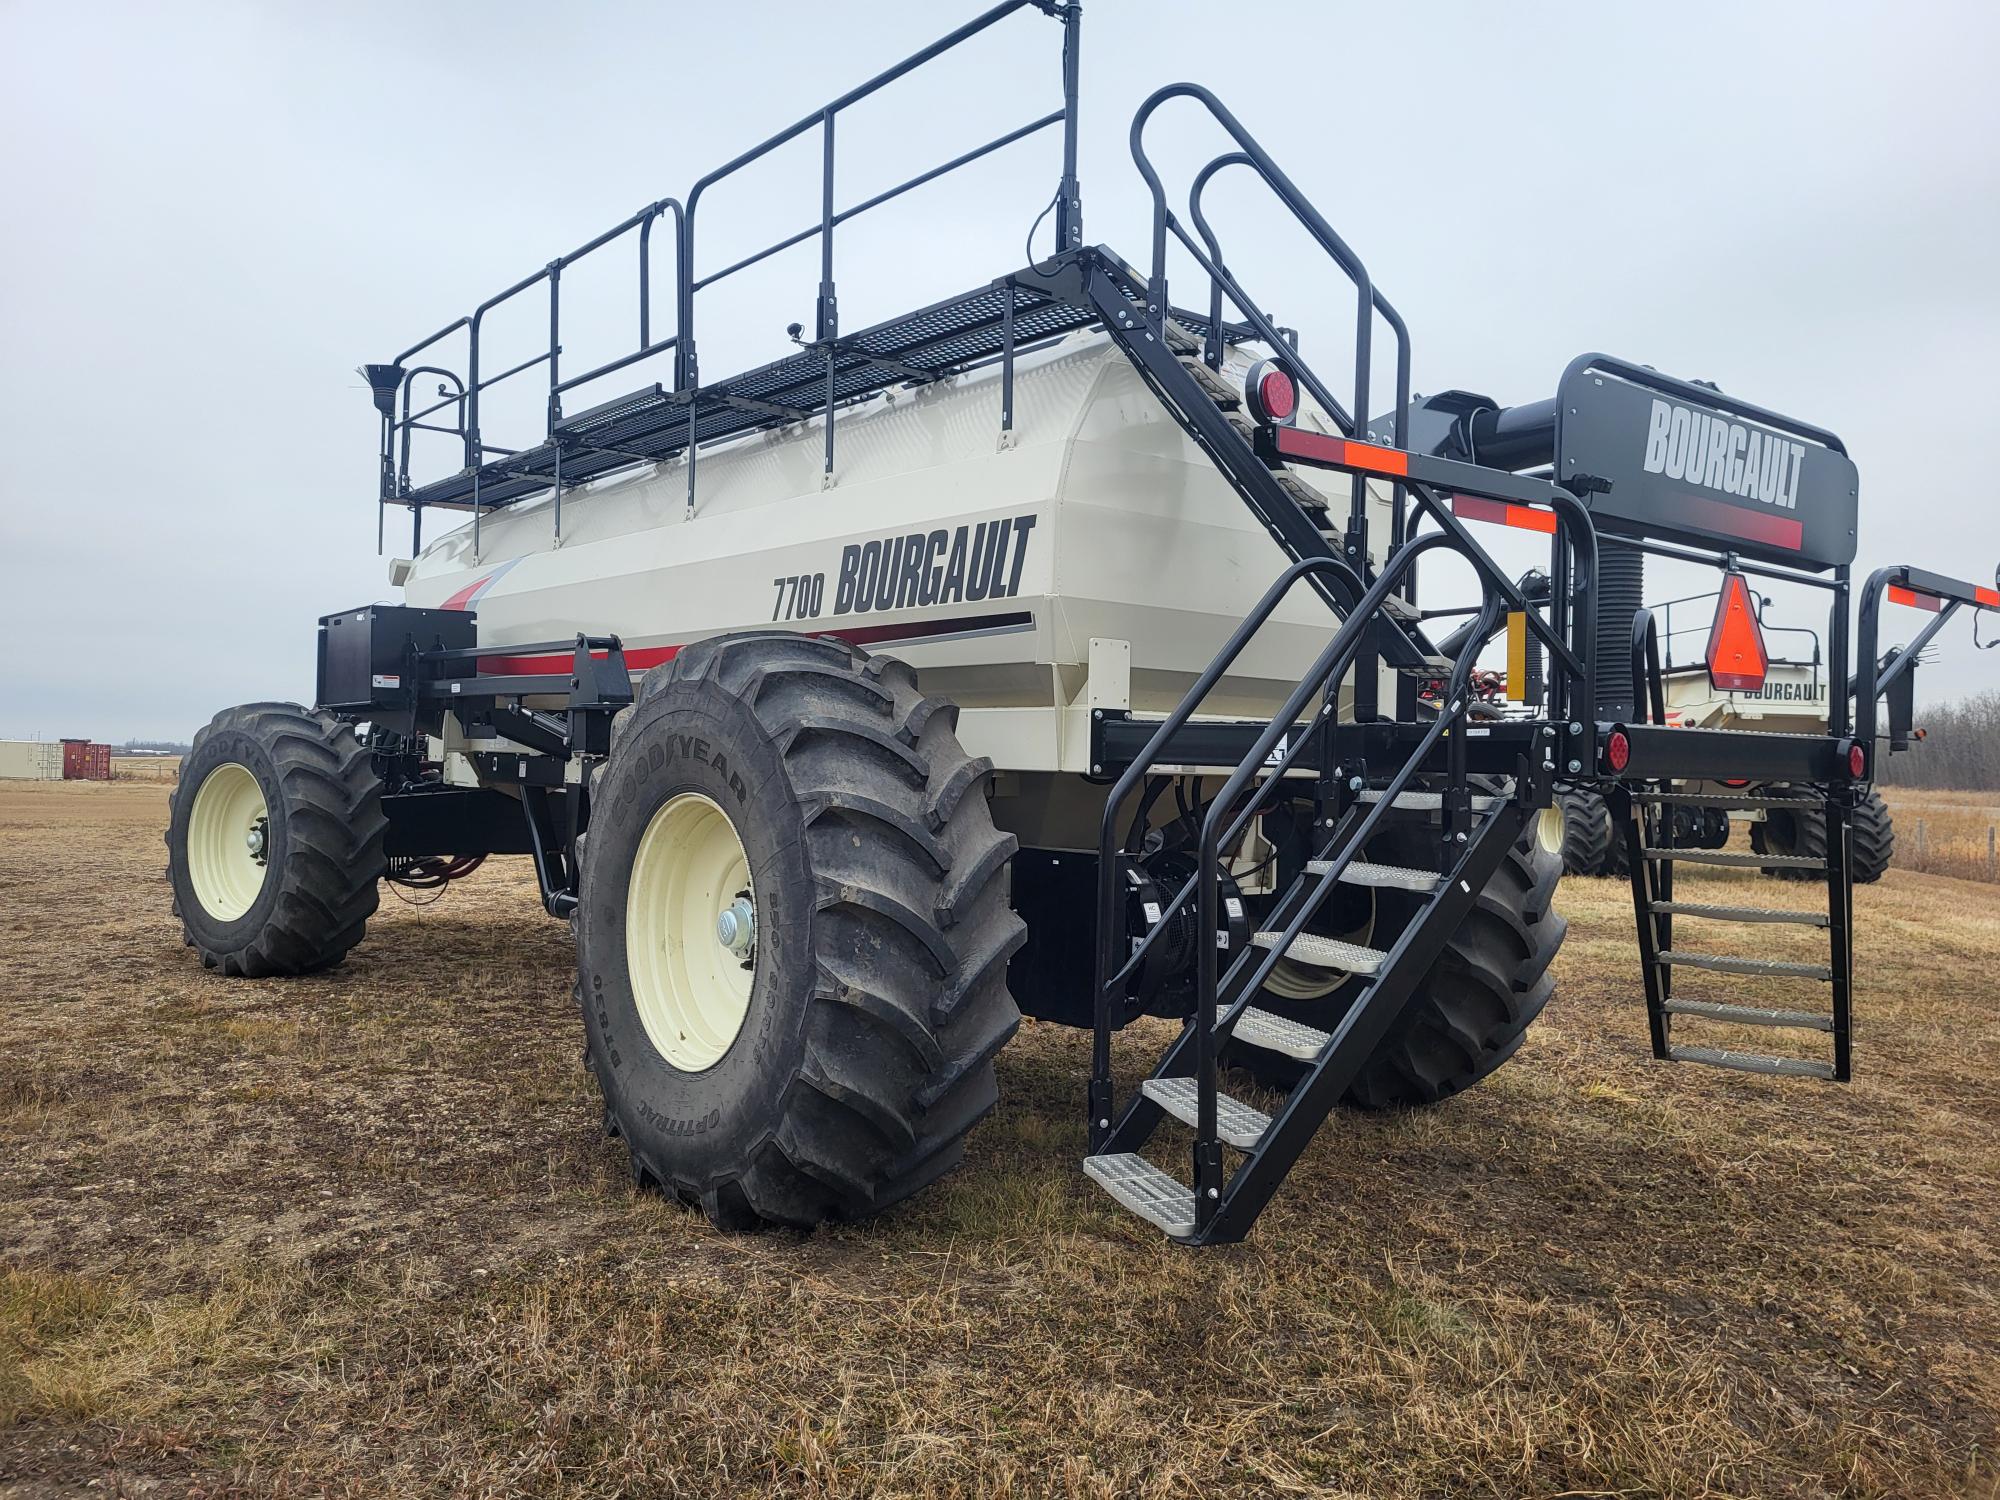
(362,1234)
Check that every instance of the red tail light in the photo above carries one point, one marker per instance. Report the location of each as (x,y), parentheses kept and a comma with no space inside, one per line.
(1274,398)
(1857,762)
(1618,751)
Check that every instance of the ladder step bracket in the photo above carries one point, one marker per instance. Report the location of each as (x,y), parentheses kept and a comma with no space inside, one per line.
(1725,963)
(1259,1028)
(1326,952)
(1737,861)
(1749,1015)
(1738,913)
(1426,801)
(1751,1062)
(1721,799)
(1382,877)
(1236,1123)
(1152,1194)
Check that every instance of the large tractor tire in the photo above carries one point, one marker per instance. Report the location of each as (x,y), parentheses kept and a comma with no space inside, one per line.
(1874,842)
(1468,1015)
(274,841)
(1796,832)
(793,933)
(1589,839)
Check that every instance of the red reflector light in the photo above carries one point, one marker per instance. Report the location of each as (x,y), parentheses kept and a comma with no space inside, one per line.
(1857,762)
(1618,750)
(1900,595)
(1737,660)
(1274,397)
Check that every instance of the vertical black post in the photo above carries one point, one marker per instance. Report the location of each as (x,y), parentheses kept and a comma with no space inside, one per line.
(1069,195)
(559,451)
(472,453)
(1007,359)
(1840,922)
(1207,1148)
(1641,871)
(829,313)
(416,530)
(1837,709)
(646,276)
(476,508)
(555,343)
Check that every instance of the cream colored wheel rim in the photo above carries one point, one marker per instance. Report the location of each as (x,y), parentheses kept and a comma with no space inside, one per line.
(1549,829)
(228,838)
(690,932)
(1292,980)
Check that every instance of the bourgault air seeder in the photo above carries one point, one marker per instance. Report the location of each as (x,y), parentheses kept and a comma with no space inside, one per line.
(1166,730)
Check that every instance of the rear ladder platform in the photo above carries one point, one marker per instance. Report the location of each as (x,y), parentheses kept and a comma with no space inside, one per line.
(1643,813)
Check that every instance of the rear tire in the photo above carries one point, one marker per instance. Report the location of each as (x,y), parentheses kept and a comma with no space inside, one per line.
(1788,832)
(1588,839)
(1468,1015)
(860,1053)
(1874,843)
(274,841)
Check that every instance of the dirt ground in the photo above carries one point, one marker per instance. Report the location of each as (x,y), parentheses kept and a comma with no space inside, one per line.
(362,1234)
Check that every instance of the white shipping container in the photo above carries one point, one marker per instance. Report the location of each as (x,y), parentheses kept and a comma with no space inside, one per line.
(31,760)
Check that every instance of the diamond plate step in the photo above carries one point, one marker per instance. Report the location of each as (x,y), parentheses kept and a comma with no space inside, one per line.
(1739,913)
(1259,1028)
(1751,1062)
(1235,1122)
(1749,1015)
(1325,952)
(1150,1193)
(1725,799)
(1739,861)
(1391,877)
(1213,386)
(1770,968)
(1426,801)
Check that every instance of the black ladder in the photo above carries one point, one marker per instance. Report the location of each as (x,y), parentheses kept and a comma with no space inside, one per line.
(1220,1206)
(1647,827)
(1645,816)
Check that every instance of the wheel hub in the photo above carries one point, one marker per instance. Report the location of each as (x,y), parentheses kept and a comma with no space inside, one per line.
(691,932)
(228,841)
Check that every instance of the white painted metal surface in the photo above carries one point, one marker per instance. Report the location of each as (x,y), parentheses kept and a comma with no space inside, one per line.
(30,760)
(1100,522)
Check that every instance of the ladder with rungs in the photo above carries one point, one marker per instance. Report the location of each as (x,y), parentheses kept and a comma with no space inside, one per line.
(1647,829)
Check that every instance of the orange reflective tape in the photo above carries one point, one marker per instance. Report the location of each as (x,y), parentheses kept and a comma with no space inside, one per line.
(1376,460)
(1900,595)
(1501,513)
(1986,598)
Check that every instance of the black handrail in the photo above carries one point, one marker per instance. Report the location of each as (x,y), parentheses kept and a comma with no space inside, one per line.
(395,482)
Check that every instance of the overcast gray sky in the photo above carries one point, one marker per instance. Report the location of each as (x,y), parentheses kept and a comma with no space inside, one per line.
(214,211)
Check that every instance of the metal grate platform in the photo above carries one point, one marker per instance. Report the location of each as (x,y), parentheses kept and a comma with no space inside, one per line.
(655,423)
(1235,1122)
(1150,1193)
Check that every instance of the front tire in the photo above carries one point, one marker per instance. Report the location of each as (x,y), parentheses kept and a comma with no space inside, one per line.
(274,841)
(1589,841)
(859,852)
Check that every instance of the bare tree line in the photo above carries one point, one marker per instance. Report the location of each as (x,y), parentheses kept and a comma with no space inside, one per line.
(1960,749)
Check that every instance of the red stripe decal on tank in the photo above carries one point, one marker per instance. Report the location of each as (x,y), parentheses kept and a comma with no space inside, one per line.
(473,592)
(643,658)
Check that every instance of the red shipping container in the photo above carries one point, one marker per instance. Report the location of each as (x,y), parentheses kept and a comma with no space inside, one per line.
(83,761)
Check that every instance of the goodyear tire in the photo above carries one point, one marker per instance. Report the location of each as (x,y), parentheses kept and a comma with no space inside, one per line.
(1874,839)
(1788,832)
(1589,841)
(1469,1014)
(807,794)
(274,841)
